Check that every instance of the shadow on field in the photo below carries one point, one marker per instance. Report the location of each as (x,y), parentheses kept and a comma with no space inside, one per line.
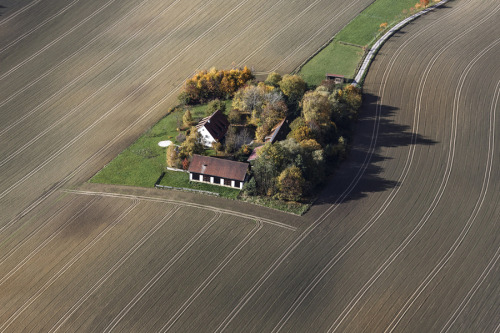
(361,163)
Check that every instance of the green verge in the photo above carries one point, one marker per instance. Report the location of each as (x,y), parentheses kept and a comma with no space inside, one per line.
(336,58)
(363,31)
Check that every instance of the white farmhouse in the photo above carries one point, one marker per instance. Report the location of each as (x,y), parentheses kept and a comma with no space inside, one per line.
(213,128)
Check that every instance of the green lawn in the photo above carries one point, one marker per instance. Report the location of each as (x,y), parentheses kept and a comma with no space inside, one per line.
(142,163)
(139,165)
(364,30)
(181,179)
(336,58)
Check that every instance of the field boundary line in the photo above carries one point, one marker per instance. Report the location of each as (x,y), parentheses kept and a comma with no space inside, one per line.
(450,154)
(161,272)
(211,277)
(68,265)
(184,203)
(286,26)
(307,41)
(113,269)
(76,108)
(472,218)
(374,49)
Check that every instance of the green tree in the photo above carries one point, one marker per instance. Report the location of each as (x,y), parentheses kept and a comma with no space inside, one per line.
(215,105)
(265,174)
(267,167)
(301,133)
(273,79)
(274,153)
(316,107)
(217,146)
(173,159)
(192,144)
(293,87)
(291,183)
(234,116)
(187,119)
(261,132)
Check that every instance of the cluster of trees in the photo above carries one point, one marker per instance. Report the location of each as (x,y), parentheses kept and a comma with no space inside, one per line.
(291,169)
(265,104)
(320,122)
(179,156)
(205,85)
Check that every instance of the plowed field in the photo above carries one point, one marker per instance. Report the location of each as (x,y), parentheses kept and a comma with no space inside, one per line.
(79,81)
(404,239)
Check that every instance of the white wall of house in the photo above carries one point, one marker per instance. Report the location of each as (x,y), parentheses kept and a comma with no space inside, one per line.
(212,181)
(206,137)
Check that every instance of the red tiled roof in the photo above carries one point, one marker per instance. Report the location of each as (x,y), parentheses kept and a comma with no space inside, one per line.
(216,124)
(218,167)
(253,155)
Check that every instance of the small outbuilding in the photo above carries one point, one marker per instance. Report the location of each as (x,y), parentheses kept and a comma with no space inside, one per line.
(338,79)
(218,171)
(213,128)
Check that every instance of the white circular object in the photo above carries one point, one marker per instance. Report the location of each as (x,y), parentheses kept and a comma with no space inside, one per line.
(164,143)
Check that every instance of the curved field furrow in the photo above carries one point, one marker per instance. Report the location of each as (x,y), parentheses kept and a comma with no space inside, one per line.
(352,316)
(330,284)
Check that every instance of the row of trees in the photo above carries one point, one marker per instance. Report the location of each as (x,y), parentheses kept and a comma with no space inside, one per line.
(205,85)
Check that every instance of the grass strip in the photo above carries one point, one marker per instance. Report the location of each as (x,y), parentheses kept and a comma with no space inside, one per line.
(363,31)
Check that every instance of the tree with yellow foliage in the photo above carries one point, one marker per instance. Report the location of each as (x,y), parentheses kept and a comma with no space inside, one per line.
(207,85)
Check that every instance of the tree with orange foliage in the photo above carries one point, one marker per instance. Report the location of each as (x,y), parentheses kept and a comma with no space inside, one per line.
(424,3)
(212,84)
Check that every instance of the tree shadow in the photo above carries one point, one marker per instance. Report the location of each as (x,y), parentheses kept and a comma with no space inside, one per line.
(369,149)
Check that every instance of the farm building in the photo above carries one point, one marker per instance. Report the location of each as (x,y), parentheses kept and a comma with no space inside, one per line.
(278,132)
(213,128)
(218,171)
(338,79)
